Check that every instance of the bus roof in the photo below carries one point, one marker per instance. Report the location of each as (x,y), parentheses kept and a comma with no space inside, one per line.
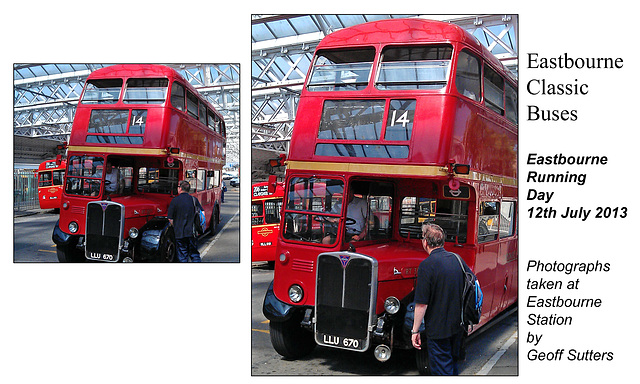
(414,30)
(134,70)
(146,70)
(142,70)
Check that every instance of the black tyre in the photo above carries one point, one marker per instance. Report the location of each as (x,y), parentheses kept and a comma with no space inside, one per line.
(168,248)
(290,340)
(215,218)
(69,254)
(422,361)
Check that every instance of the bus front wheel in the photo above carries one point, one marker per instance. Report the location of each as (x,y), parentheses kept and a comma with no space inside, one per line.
(69,254)
(422,360)
(289,339)
(168,248)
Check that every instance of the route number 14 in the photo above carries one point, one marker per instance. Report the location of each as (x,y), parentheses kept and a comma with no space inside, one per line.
(402,119)
(137,120)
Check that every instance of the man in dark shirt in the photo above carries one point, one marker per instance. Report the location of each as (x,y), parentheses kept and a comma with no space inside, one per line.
(438,298)
(181,214)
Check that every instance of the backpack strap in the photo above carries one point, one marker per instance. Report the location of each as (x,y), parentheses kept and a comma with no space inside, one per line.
(195,209)
(195,206)
(464,282)
(460,262)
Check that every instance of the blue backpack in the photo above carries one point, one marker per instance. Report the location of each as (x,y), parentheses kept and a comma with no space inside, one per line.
(199,222)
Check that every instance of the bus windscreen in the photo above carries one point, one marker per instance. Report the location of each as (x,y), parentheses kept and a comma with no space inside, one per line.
(341,70)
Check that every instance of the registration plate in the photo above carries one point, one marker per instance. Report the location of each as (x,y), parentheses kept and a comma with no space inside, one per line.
(342,342)
(101,256)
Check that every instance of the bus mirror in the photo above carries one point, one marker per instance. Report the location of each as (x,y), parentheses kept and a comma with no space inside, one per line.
(271,185)
(278,162)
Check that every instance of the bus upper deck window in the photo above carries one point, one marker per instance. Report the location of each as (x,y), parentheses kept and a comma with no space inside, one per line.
(192,105)
(341,69)
(213,121)
(493,90)
(415,67)
(468,75)
(102,91)
(177,96)
(511,103)
(146,91)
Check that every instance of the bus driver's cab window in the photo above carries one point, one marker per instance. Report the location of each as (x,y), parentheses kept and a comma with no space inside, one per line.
(379,198)
(356,224)
(369,208)
(118,176)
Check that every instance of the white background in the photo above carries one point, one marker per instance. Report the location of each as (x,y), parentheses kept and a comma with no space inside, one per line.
(191,323)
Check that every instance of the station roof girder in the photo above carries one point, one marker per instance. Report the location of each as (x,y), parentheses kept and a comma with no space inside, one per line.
(46,95)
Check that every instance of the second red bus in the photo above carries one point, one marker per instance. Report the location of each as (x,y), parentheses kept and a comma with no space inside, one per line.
(50,179)
(266,204)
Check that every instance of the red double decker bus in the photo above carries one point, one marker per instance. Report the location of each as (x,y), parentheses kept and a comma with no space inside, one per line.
(138,130)
(414,121)
(50,178)
(266,204)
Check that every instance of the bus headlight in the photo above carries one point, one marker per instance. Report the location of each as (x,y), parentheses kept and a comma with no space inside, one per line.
(296,293)
(133,232)
(392,305)
(73,227)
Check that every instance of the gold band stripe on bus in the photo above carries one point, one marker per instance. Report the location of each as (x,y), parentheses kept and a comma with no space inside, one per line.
(270,197)
(139,151)
(392,169)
